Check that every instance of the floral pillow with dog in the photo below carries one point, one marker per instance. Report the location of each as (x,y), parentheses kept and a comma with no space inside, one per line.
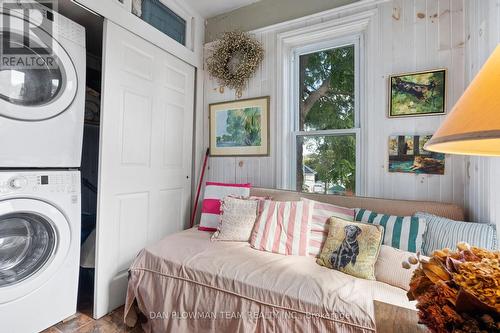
(352,248)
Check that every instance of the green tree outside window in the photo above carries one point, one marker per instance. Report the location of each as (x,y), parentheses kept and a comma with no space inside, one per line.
(327,102)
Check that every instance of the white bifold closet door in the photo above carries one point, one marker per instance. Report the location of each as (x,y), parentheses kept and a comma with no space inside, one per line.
(145,156)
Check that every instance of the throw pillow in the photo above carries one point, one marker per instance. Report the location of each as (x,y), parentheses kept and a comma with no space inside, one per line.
(389,269)
(352,248)
(282,227)
(401,232)
(237,220)
(321,213)
(442,232)
(253,197)
(214,193)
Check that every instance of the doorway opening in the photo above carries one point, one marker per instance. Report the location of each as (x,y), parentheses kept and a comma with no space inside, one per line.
(89,169)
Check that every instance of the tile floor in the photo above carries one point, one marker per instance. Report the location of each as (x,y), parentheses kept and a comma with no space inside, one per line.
(84,323)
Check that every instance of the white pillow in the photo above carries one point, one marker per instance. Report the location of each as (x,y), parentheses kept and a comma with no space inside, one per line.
(237,219)
(389,269)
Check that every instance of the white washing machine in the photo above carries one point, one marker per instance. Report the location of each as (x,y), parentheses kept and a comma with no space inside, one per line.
(42,87)
(39,248)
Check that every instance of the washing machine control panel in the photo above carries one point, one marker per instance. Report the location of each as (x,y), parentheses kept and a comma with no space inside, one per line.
(18,183)
(42,183)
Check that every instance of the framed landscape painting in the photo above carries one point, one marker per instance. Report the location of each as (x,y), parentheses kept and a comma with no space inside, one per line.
(417,94)
(240,128)
(407,154)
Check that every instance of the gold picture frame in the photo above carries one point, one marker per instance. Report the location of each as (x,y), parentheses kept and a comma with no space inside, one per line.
(417,94)
(240,128)
(407,155)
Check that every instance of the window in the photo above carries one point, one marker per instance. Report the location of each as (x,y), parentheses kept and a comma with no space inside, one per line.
(162,18)
(326,135)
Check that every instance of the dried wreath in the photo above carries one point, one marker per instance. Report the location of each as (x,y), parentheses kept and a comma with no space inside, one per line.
(234,59)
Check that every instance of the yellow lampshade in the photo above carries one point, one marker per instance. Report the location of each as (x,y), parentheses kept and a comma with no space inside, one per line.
(473,125)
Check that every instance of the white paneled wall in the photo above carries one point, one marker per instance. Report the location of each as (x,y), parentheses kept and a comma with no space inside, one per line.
(260,171)
(412,35)
(483,177)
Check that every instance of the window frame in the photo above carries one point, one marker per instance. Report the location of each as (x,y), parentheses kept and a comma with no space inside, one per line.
(177,10)
(176,15)
(294,102)
(121,14)
(180,11)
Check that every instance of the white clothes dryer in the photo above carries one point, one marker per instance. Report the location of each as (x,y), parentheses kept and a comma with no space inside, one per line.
(42,87)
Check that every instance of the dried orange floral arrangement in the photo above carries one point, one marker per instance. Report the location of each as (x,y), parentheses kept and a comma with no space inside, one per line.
(457,291)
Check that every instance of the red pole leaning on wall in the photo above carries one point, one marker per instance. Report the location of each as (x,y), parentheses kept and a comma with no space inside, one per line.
(193,216)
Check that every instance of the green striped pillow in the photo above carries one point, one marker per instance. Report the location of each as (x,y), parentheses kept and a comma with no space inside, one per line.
(401,232)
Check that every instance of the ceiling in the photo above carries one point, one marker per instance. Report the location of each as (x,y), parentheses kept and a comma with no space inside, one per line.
(211,8)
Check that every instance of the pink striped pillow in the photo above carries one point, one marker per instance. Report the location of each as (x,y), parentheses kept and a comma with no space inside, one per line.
(321,213)
(214,193)
(282,227)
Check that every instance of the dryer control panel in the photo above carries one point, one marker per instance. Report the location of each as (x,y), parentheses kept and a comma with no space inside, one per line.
(50,182)
(50,19)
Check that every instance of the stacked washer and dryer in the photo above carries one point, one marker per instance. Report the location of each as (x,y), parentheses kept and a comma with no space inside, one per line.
(41,132)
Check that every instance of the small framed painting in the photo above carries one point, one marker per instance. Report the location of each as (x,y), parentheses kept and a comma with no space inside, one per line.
(240,128)
(407,155)
(417,94)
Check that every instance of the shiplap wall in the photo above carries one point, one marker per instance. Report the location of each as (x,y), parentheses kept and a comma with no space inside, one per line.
(483,177)
(413,35)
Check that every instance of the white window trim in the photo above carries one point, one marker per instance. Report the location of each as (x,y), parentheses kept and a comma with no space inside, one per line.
(186,16)
(359,24)
(176,9)
(295,97)
(121,14)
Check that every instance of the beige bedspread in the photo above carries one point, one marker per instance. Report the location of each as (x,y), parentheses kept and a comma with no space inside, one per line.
(186,283)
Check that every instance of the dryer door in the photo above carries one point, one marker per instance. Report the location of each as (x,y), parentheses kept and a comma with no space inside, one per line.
(34,241)
(37,77)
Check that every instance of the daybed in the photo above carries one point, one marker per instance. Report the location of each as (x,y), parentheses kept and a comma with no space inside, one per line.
(186,283)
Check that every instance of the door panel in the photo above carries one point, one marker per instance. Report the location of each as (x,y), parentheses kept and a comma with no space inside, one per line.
(131,239)
(172,115)
(158,227)
(136,128)
(145,157)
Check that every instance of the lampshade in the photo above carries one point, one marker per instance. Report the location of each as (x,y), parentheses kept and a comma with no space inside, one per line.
(473,125)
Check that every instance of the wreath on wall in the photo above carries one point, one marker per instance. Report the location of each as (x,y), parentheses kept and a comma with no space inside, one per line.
(234,59)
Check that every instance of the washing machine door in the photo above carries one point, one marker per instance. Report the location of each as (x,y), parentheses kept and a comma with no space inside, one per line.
(38,79)
(35,239)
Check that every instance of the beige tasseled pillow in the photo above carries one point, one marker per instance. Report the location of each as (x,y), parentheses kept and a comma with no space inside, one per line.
(389,269)
(237,219)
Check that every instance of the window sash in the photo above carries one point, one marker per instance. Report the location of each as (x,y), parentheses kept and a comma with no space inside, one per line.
(177,9)
(353,131)
(295,102)
(318,47)
(171,24)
